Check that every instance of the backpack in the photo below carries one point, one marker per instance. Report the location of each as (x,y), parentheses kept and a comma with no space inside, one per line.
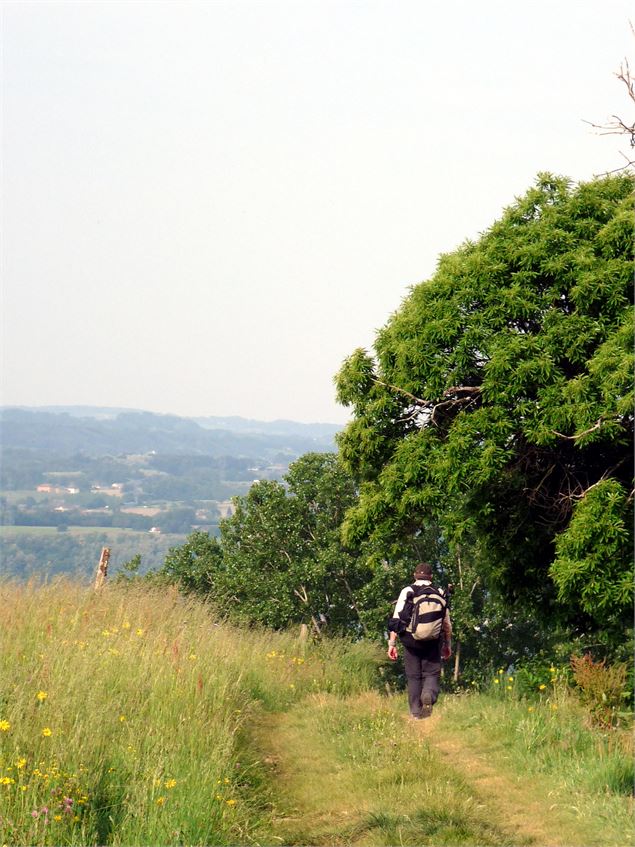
(428,611)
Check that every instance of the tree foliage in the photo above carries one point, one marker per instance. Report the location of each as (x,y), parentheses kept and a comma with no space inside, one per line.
(195,565)
(280,559)
(499,403)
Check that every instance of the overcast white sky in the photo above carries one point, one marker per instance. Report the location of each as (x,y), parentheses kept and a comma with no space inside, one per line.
(208,206)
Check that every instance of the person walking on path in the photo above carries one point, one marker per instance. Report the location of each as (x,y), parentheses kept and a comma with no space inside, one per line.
(422,655)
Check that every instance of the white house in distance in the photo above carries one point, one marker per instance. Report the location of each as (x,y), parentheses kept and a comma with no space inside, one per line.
(48,488)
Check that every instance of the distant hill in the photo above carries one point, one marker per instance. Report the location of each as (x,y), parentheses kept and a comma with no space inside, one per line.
(96,431)
(278,427)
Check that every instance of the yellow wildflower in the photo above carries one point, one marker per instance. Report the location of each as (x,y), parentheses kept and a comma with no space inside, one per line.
(231,802)
(170,783)
(47,732)
(497,682)
(122,718)
(125,625)
(192,657)
(20,763)
(57,818)
(139,631)
(5,726)
(41,696)
(530,709)
(510,678)
(542,687)
(161,801)
(510,688)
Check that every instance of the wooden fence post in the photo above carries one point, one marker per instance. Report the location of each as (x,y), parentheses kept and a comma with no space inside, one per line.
(102,568)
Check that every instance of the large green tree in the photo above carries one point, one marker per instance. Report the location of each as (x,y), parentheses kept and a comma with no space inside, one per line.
(499,405)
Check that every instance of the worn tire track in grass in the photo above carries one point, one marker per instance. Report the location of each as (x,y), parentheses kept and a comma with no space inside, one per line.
(514,801)
(354,772)
(358,771)
(534,806)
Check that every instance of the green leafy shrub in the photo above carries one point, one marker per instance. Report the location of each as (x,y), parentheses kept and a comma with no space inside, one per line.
(603,688)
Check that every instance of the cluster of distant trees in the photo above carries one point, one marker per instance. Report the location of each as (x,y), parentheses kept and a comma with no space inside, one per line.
(41,555)
(179,519)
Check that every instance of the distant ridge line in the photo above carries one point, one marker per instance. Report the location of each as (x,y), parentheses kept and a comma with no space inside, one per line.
(231,423)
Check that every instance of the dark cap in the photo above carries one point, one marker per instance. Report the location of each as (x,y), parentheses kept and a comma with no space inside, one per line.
(423,571)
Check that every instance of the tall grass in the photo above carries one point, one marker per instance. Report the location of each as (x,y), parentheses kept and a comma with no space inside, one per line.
(123,715)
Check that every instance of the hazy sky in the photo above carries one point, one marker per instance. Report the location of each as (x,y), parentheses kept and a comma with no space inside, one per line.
(208,206)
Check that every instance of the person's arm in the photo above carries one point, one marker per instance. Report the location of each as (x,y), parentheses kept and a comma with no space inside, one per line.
(395,622)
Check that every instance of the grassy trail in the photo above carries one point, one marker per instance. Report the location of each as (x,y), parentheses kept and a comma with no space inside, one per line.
(518,803)
(357,771)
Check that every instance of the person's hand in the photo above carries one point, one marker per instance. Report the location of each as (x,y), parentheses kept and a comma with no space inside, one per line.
(446,652)
(392,652)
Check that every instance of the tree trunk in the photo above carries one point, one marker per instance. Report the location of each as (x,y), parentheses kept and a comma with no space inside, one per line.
(457,661)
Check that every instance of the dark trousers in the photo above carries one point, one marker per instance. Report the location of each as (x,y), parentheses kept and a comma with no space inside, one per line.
(422,675)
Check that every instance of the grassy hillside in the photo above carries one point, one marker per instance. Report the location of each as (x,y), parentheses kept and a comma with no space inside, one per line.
(134,717)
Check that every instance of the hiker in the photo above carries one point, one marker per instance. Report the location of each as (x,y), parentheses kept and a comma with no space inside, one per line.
(426,638)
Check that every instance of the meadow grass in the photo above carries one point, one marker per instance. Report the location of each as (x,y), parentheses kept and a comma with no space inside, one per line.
(123,715)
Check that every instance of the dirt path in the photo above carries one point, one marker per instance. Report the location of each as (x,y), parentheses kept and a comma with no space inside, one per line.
(319,798)
(516,802)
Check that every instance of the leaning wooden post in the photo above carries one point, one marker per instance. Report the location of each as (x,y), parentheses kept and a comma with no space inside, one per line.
(102,568)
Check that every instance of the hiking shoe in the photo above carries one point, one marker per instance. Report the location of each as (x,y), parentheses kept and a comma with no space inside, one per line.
(426,704)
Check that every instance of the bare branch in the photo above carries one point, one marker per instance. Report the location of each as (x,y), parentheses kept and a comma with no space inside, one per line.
(400,390)
(457,395)
(303,596)
(593,428)
(617,125)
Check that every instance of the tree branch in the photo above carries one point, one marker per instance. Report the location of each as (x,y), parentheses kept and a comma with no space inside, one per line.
(593,428)
(400,390)
(456,395)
